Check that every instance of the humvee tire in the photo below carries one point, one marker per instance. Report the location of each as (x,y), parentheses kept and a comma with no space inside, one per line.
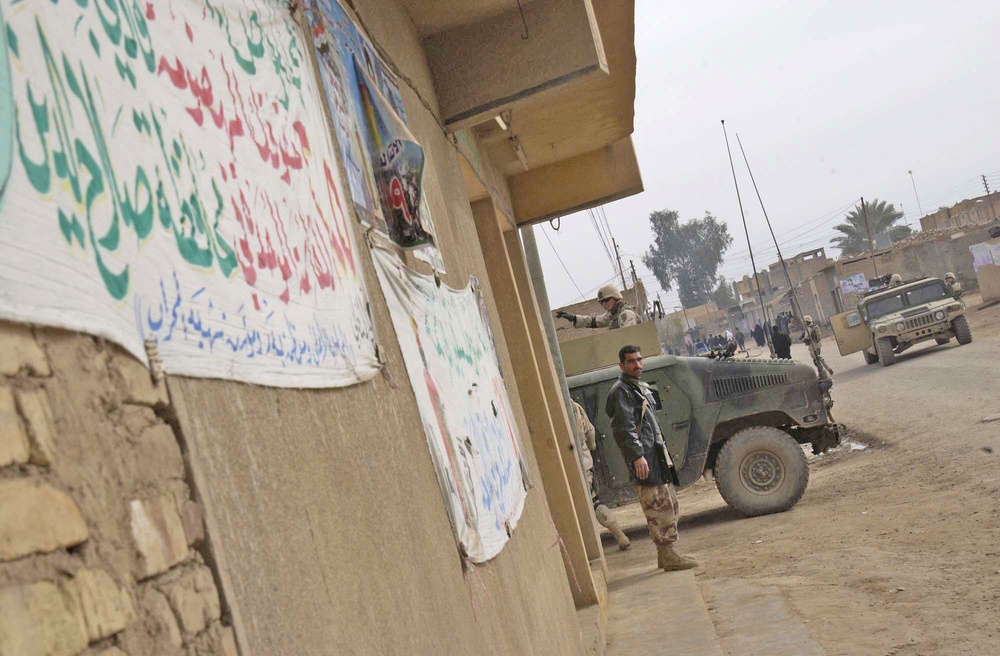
(869,358)
(962,331)
(761,470)
(942,340)
(885,353)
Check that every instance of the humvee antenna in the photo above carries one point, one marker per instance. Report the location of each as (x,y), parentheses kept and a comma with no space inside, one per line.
(756,276)
(795,300)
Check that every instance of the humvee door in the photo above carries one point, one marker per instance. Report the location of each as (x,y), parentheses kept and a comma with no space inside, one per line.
(851,332)
(673,414)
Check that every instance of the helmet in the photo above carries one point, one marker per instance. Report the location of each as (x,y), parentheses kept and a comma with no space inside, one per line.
(808,319)
(608,291)
(949,275)
(896,279)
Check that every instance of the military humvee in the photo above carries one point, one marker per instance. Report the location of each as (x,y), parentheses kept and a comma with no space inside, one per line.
(741,420)
(889,321)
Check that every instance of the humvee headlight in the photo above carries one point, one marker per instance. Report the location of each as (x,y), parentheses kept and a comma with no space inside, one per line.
(900,327)
(939,315)
(881,329)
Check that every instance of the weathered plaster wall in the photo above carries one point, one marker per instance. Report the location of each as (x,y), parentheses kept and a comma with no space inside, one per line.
(102,548)
(325,514)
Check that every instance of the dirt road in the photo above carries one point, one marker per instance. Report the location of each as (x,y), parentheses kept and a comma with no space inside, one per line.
(895,547)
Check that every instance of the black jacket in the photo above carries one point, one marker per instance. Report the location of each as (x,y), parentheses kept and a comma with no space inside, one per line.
(782,345)
(637,435)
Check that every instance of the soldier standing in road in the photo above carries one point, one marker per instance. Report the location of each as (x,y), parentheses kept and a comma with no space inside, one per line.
(617,313)
(602,512)
(632,410)
(813,339)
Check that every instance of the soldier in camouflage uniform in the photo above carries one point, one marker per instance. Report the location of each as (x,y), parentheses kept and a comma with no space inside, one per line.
(632,411)
(602,512)
(953,287)
(617,313)
(812,338)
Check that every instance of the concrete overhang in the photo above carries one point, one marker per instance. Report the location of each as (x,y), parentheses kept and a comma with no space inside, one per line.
(576,184)
(568,89)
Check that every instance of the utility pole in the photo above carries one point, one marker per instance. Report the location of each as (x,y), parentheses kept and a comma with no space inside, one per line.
(618,257)
(919,209)
(871,244)
(905,219)
(687,321)
(635,285)
(992,209)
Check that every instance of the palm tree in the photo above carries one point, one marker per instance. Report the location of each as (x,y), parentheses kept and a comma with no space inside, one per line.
(882,217)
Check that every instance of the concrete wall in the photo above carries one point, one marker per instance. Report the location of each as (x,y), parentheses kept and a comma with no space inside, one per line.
(973,211)
(326,515)
(101,542)
(927,257)
(324,529)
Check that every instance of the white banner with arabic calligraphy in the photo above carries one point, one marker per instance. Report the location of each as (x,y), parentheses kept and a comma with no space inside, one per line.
(167,174)
(452,365)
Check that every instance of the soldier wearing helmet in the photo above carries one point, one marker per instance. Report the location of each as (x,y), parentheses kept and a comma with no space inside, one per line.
(896,280)
(812,338)
(617,313)
(952,286)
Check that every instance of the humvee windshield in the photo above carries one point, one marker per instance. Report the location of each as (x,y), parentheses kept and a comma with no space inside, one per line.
(933,291)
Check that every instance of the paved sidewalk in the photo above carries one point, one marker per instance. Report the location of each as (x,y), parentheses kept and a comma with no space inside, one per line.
(655,612)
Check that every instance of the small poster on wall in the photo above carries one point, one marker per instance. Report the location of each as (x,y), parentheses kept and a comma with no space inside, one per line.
(385,163)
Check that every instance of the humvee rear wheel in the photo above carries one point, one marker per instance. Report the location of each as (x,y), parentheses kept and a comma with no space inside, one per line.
(761,470)
(885,354)
(962,331)
(942,340)
(870,358)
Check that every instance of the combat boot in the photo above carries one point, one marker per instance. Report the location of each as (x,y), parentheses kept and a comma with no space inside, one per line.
(670,561)
(608,521)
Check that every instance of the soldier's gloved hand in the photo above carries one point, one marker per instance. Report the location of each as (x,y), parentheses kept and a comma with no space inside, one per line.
(641,468)
(560,314)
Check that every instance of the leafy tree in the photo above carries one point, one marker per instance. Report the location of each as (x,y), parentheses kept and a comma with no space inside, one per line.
(687,255)
(723,295)
(882,217)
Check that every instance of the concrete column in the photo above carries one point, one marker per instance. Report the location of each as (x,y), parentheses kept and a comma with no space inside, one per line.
(535,300)
(544,438)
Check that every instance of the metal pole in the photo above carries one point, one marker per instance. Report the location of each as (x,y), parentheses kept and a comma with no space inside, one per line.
(746,231)
(871,244)
(919,209)
(687,322)
(795,301)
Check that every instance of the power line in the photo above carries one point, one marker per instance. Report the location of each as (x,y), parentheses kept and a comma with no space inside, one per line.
(560,260)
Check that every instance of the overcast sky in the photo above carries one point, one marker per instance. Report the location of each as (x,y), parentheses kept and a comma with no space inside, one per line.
(833,101)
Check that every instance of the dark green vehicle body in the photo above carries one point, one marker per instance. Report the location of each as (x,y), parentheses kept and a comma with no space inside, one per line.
(703,402)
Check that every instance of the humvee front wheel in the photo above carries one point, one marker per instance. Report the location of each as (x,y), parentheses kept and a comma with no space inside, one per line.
(885,353)
(870,358)
(761,470)
(962,331)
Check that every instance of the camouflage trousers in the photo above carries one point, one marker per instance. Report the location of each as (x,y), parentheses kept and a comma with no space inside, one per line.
(659,505)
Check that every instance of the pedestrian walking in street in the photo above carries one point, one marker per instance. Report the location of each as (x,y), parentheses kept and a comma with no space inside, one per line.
(632,410)
(782,344)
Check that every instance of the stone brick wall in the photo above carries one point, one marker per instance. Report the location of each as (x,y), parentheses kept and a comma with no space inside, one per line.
(102,547)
